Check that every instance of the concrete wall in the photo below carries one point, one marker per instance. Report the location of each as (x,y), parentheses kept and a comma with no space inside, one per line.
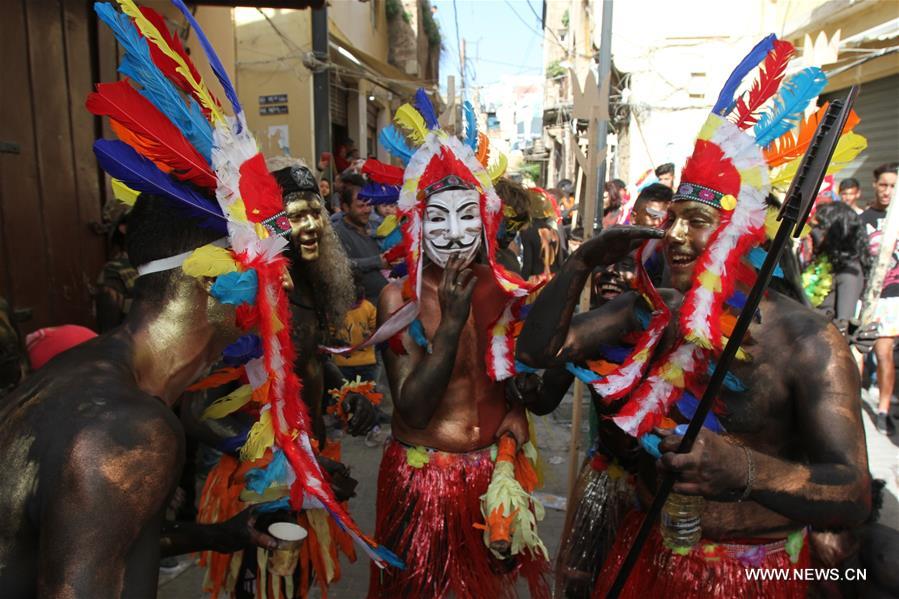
(676,66)
(268,65)
(364,23)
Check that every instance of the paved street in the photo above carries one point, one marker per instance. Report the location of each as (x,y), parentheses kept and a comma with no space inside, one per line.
(553,433)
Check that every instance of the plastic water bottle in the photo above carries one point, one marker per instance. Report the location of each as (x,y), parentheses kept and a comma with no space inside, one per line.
(681,524)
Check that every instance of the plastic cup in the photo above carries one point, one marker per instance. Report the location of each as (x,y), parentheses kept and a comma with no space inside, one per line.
(283,561)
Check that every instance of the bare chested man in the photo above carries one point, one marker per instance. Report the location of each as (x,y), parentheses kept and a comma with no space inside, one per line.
(92,449)
(444,369)
(791,452)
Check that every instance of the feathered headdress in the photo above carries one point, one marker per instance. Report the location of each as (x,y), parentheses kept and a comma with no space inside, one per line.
(435,161)
(729,170)
(175,141)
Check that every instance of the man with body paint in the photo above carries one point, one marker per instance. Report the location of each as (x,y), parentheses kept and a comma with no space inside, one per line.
(448,361)
(320,293)
(92,448)
(783,449)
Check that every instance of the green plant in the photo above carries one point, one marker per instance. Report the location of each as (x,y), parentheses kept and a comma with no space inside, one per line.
(393,8)
(554,69)
(432,29)
(565,19)
(530,170)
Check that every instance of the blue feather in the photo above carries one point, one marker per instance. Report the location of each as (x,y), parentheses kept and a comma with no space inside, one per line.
(279,505)
(137,65)
(615,353)
(260,479)
(400,270)
(737,300)
(417,332)
(214,62)
(757,257)
(522,367)
(789,105)
(471,126)
(232,445)
(243,350)
(122,162)
(390,241)
(643,315)
(687,406)
(236,288)
(726,100)
(586,376)
(423,105)
(377,193)
(731,381)
(395,143)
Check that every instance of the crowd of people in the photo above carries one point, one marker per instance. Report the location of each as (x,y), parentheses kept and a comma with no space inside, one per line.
(243,331)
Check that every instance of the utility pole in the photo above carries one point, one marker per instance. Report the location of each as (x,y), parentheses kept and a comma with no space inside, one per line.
(462,67)
(592,103)
(604,83)
(321,101)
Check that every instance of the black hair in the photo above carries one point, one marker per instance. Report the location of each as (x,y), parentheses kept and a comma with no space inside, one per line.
(844,239)
(654,193)
(849,183)
(351,178)
(887,167)
(665,169)
(346,195)
(158,228)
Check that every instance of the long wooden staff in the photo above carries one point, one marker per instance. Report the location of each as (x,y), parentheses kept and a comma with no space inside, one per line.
(793,214)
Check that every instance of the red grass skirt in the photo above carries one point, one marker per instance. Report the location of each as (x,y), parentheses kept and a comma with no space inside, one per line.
(708,570)
(426,516)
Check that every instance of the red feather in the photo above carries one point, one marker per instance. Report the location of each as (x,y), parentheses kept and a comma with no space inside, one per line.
(259,190)
(385,174)
(160,140)
(166,64)
(766,85)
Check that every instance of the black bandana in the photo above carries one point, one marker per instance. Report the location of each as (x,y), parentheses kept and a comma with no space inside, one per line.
(295,179)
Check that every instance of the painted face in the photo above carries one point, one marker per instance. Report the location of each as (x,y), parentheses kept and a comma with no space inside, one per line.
(306,225)
(452,225)
(649,214)
(688,228)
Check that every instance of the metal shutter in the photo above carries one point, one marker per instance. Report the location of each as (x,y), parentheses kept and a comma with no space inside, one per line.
(878,110)
(338,98)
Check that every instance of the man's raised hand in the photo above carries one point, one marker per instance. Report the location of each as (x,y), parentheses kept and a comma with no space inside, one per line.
(455,291)
(614,244)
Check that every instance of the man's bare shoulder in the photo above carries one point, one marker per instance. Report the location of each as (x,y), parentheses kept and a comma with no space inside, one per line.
(391,299)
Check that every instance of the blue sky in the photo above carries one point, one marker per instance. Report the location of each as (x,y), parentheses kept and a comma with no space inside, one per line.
(502,37)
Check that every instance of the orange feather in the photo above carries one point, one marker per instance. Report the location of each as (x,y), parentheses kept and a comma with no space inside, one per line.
(790,146)
(483,154)
(161,141)
(136,141)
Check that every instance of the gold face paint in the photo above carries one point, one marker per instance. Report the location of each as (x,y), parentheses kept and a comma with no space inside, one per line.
(305,216)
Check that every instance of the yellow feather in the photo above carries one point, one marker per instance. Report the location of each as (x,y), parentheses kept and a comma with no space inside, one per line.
(209,261)
(152,34)
(849,146)
(411,120)
(260,438)
(498,168)
(229,404)
(123,193)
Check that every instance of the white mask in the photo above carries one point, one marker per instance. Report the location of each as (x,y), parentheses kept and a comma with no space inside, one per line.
(452,225)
